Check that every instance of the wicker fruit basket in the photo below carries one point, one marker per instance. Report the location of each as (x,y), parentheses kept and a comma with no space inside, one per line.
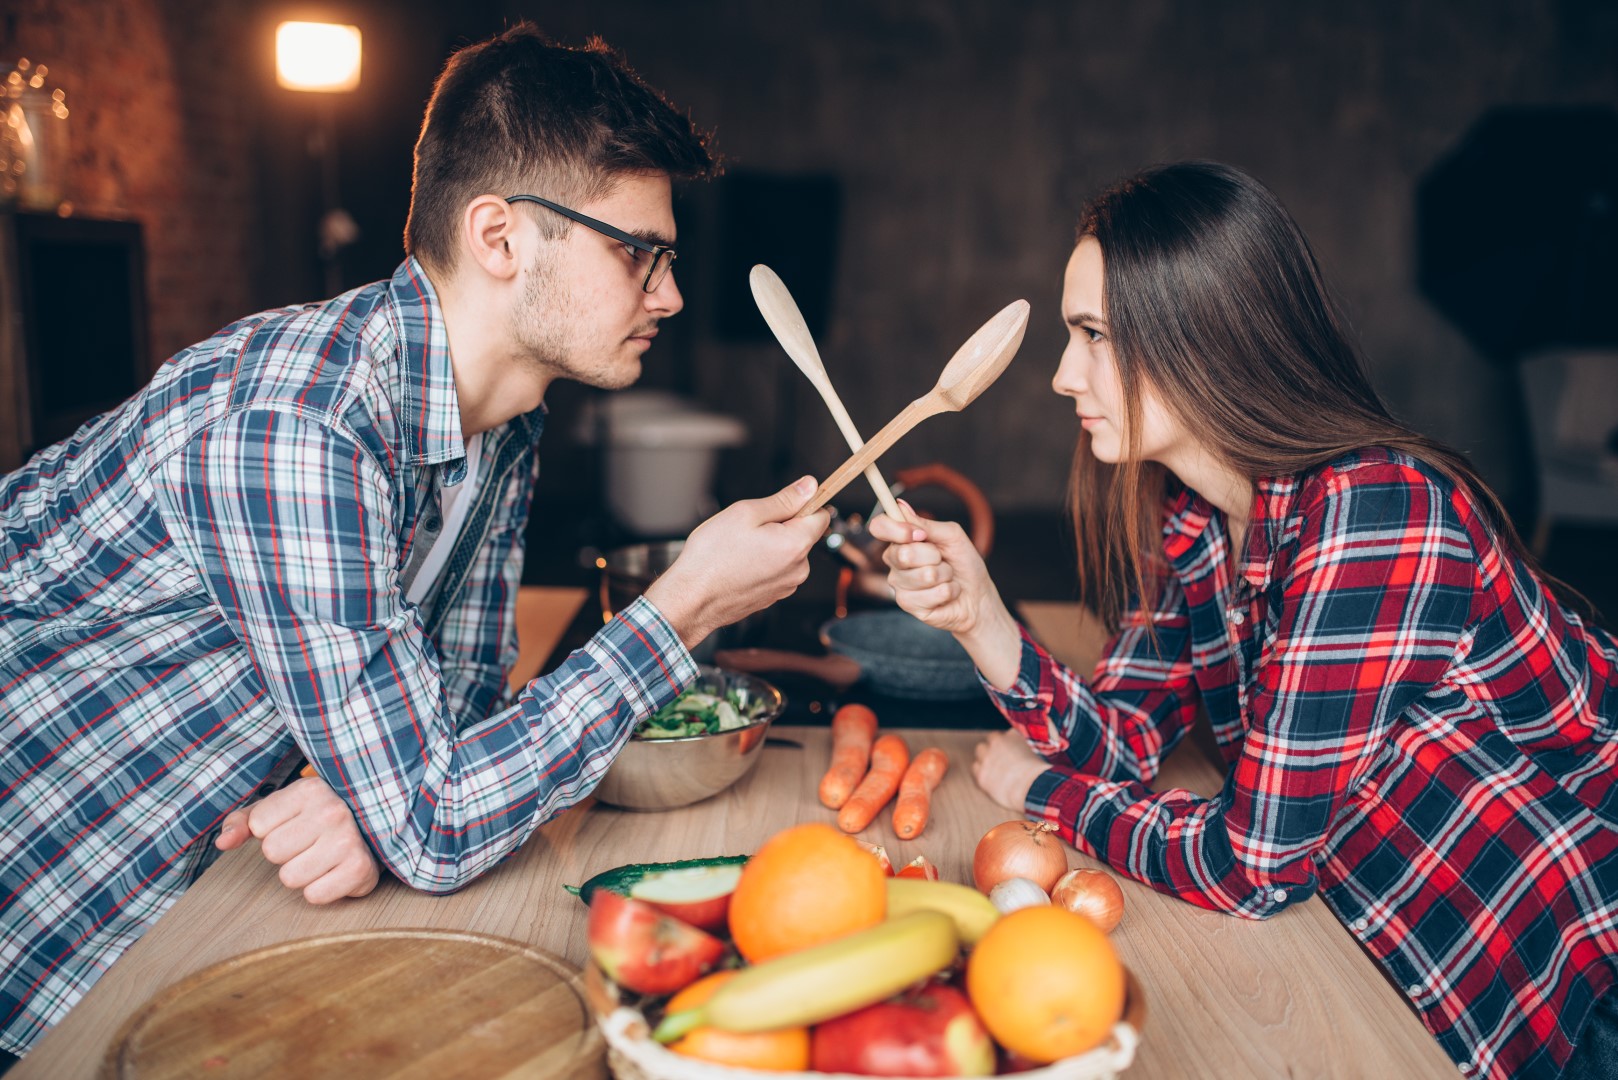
(633,1055)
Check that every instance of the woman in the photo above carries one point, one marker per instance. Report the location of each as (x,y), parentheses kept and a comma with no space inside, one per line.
(1415,727)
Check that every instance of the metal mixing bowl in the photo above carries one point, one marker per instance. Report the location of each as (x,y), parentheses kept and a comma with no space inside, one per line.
(661,774)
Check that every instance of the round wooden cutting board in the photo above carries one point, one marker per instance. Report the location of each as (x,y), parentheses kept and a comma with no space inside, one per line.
(393,1003)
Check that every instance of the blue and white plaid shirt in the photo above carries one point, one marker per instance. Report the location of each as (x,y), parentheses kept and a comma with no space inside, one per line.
(207,580)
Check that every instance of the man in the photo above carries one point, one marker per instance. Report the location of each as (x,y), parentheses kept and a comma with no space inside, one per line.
(303,539)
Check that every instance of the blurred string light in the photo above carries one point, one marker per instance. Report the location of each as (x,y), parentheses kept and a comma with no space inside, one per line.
(33,139)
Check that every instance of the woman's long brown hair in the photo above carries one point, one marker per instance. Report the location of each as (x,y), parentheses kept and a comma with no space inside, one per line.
(1213,298)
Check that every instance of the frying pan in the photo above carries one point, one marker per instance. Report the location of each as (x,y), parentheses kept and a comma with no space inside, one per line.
(891,650)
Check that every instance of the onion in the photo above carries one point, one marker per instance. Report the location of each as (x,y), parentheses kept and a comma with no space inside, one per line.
(1093,894)
(1016,892)
(1027,849)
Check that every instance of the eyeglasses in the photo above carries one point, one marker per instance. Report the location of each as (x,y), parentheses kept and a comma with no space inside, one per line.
(661,255)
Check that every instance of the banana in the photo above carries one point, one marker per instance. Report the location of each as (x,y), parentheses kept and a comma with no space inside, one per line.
(971,910)
(827,980)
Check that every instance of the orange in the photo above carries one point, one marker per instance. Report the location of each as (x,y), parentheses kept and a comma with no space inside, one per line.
(1046,983)
(806,885)
(786,1050)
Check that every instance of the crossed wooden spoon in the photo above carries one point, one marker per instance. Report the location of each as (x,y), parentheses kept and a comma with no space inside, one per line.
(972,370)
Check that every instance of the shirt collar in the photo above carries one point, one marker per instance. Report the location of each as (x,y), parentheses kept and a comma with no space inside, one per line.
(1189,515)
(1266,527)
(1186,521)
(430,409)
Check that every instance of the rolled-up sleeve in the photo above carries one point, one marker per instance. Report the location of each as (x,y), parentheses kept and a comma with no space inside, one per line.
(291,522)
(1136,707)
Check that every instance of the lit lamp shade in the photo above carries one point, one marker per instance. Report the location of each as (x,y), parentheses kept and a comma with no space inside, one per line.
(320,57)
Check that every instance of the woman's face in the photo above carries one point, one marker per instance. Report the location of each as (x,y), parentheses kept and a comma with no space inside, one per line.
(1088,375)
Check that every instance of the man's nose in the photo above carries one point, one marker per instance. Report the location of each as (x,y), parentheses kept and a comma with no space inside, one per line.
(665,300)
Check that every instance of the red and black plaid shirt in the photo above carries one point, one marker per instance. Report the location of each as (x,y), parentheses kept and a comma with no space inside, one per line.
(1414,728)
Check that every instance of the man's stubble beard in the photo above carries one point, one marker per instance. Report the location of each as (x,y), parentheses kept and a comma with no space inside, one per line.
(546,330)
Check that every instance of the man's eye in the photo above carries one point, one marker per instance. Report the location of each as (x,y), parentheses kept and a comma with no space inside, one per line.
(635,254)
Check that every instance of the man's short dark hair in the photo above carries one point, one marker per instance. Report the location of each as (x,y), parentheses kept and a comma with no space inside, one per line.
(519,113)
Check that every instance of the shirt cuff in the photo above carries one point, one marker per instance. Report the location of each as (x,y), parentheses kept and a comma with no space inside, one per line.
(1023,694)
(642,654)
(1042,793)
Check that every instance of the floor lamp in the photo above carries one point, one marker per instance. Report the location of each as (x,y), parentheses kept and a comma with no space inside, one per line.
(323,58)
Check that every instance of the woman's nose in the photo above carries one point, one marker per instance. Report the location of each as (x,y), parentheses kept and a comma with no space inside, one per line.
(1068,380)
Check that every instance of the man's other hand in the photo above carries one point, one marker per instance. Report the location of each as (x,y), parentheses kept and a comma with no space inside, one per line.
(744,558)
(310,833)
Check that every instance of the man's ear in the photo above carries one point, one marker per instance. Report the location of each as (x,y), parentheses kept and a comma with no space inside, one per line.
(490,236)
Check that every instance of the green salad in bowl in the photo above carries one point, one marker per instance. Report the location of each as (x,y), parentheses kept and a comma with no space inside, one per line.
(695,746)
(705,710)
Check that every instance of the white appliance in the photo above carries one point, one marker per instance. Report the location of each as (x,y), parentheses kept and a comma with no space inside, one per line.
(661,453)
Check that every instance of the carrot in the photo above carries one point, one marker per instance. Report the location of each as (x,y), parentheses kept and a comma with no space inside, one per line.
(852,731)
(916,791)
(889,756)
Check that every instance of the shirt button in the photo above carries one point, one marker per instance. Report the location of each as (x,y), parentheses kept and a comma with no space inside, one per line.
(1236,616)
(1361,924)
(1466,1068)
(1413,990)
(1279,896)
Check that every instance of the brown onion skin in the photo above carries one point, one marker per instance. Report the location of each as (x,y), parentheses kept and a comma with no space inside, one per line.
(1093,894)
(1027,849)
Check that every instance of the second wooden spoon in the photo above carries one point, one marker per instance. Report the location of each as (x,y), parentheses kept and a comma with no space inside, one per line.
(775,303)
(972,369)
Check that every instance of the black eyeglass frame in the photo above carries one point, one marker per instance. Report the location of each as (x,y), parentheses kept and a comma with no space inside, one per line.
(660,265)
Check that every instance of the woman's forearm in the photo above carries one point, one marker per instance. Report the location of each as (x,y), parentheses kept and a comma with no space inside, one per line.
(995,644)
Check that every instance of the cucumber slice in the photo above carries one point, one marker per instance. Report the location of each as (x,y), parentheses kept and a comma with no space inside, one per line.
(621,879)
(687,884)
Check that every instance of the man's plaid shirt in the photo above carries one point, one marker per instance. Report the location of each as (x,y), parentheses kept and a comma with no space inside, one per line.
(207,580)
(1413,727)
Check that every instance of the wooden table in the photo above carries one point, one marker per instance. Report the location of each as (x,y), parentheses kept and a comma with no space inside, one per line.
(1294,996)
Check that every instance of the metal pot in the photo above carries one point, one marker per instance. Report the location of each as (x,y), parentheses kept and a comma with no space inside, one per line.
(627,572)
(891,650)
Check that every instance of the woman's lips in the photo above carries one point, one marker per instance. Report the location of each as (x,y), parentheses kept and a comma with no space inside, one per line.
(1088,422)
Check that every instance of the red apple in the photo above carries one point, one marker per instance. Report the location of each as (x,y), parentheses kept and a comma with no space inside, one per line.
(641,948)
(699,895)
(927,1032)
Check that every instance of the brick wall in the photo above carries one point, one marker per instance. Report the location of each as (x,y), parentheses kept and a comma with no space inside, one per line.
(162,133)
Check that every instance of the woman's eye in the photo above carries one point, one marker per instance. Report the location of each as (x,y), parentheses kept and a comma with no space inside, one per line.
(1092,334)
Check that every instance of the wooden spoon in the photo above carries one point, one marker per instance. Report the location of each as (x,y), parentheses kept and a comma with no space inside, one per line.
(972,369)
(775,303)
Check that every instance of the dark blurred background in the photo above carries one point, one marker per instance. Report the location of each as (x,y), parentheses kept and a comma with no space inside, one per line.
(910,168)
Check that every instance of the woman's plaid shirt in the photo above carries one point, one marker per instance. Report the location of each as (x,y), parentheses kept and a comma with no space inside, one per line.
(1414,728)
(207,580)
